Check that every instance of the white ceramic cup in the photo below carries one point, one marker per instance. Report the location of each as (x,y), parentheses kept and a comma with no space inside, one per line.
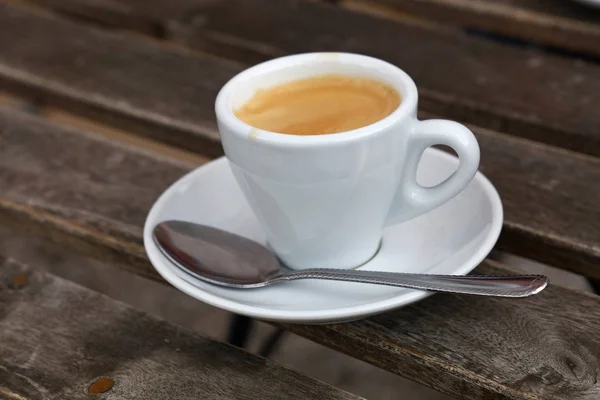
(323,200)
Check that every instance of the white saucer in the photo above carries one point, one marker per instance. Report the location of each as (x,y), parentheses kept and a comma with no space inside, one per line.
(452,239)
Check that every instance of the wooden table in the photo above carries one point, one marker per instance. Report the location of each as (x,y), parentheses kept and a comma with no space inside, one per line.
(524,75)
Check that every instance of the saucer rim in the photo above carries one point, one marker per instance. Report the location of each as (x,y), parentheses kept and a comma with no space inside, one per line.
(168,272)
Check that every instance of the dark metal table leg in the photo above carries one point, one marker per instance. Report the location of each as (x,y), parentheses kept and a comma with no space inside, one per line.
(240,328)
(595,285)
(271,343)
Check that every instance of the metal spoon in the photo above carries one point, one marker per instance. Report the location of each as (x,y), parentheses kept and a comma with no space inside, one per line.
(230,260)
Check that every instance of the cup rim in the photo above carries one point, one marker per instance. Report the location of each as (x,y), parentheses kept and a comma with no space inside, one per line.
(225,114)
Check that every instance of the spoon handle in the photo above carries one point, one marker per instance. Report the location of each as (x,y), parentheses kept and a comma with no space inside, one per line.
(483,285)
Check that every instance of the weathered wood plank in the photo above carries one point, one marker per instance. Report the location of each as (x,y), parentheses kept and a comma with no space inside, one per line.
(69,176)
(563,24)
(113,78)
(520,91)
(488,347)
(126,82)
(550,205)
(545,347)
(59,340)
(550,200)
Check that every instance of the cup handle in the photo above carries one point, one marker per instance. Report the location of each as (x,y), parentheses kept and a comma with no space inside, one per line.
(413,199)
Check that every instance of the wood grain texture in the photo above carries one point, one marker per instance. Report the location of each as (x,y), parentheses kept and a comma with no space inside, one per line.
(550,200)
(521,91)
(464,346)
(509,349)
(108,187)
(550,211)
(567,25)
(550,196)
(117,80)
(62,341)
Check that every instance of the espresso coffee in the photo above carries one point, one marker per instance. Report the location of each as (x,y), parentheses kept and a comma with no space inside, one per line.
(320,105)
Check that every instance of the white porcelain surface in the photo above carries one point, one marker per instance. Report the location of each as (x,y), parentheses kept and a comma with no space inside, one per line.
(325,199)
(451,239)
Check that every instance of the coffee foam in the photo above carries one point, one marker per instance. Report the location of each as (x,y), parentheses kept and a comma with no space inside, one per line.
(320,105)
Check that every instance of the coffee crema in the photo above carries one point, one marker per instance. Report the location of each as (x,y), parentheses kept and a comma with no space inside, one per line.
(320,105)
